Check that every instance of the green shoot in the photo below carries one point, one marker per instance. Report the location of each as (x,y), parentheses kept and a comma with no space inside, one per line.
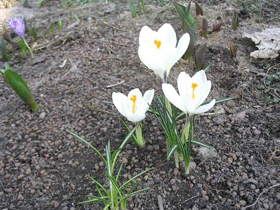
(132,8)
(116,196)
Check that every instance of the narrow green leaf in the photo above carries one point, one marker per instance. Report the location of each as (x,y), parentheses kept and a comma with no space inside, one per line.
(132,8)
(89,144)
(136,176)
(98,184)
(20,87)
(94,199)
(172,150)
(202,144)
(235,21)
(184,13)
(193,36)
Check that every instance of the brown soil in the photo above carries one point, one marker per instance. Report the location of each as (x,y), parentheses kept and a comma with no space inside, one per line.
(43,167)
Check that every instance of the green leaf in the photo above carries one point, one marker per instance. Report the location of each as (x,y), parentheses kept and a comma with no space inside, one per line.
(20,87)
(132,8)
(171,151)
(193,36)
(235,21)
(185,13)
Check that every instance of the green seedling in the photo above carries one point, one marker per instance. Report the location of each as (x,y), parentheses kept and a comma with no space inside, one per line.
(68,3)
(189,26)
(132,8)
(40,3)
(33,32)
(19,86)
(232,51)
(52,29)
(5,56)
(204,28)
(117,195)
(235,21)
(199,58)
(59,23)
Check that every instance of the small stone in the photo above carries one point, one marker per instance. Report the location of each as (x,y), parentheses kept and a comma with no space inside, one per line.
(124,160)
(21,176)
(173,181)
(278,196)
(242,203)
(43,172)
(206,197)
(230,160)
(192,166)
(42,115)
(266,206)
(150,148)
(20,197)
(176,171)
(55,204)
(101,164)
(256,132)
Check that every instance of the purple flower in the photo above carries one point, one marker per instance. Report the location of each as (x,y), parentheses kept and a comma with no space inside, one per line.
(18,25)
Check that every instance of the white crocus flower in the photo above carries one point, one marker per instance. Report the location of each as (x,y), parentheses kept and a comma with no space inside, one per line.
(158,51)
(133,106)
(192,93)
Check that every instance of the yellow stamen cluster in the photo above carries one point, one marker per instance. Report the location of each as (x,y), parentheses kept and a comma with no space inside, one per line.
(133,99)
(157,43)
(194,85)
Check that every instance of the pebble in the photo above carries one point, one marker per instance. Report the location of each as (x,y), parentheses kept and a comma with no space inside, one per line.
(192,166)
(176,171)
(124,160)
(20,177)
(150,148)
(230,160)
(243,203)
(42,115)
(20,197)
(256,132)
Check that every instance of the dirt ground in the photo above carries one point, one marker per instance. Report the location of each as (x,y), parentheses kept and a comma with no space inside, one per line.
(43,167)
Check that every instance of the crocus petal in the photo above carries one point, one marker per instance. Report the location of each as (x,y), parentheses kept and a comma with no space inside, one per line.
(137,117)
(200,77)
(183,83)
(148,96)
(167,35)
(204,108)
(172,95)
(203,92)
(120,101)
(157,61)
(146,36)
(181,48)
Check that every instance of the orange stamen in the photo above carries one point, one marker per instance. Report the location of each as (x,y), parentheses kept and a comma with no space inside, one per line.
(157,43)
(194,85)
(133,99)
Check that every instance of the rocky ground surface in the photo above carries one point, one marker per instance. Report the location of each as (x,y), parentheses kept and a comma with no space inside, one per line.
(43,167)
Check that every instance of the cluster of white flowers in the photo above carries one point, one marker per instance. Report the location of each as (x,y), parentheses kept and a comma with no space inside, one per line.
(158,51)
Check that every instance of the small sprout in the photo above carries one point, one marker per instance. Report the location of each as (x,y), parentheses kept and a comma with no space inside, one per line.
(217,27)
(40,3)
(198,9)
(59,23)
(52,29)
(33,32)
(199,58)
(235,21)
(68,3)
(132,8)
(232,51)
(204,28)
(5,56)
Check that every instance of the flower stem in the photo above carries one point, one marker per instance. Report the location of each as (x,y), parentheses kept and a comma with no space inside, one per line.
(29,49)
(139,136)
(176,158)
(186,131)
(189,142)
